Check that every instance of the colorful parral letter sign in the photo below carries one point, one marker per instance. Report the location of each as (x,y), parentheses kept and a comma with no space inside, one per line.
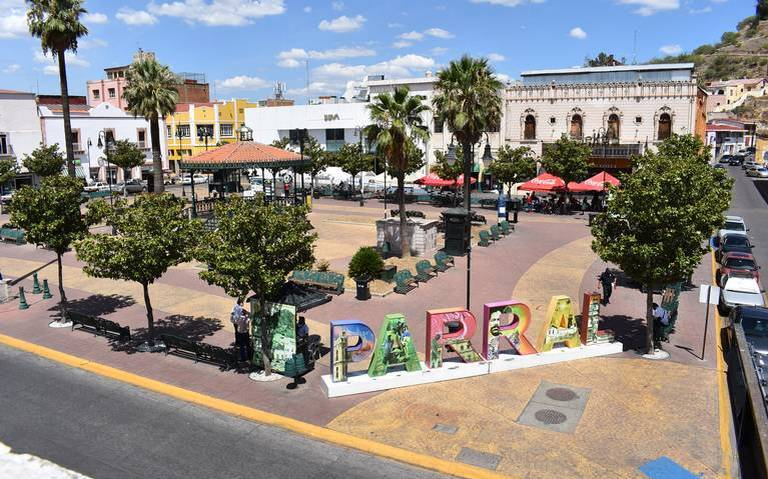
(506,319)
(352,342)
(452,328)
(561,324)
(394,347)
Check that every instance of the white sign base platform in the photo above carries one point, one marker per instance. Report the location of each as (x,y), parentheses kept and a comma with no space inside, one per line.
(360,382)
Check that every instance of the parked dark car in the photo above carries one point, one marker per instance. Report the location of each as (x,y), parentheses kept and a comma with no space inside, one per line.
(725,158)
(134,185)
(736,160)
(733,243)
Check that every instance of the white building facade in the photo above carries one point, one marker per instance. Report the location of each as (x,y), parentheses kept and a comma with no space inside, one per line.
(19,128)
(87,124)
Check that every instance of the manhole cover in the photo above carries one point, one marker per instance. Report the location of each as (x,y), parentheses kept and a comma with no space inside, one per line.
(550,416)
(561,394)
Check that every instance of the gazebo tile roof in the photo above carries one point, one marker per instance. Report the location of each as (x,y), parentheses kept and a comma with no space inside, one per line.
(244,154)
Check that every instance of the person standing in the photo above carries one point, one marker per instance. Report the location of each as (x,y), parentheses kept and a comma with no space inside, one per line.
(239,318)
(608,282)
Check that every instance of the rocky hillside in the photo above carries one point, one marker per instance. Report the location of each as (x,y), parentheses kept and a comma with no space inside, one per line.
(739,54)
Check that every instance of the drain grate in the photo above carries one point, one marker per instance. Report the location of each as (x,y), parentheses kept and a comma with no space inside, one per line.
(550,416)
(561,394)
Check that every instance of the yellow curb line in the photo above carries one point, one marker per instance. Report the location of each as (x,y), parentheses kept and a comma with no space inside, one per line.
(309,430)
(722,388)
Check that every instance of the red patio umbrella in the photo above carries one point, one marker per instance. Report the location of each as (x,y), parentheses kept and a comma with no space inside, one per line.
(543,182)
(433,180)
(596,183)
(460,180)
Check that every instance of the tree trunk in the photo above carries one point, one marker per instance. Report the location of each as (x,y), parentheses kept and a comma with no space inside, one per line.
(264,336)
(509,191)
(65,112)
(649,317)
(150,315)
(62,293)
(405,246)
(157,155)
(312,186)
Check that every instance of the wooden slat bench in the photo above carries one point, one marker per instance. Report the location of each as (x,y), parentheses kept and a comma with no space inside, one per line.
(102,327)
(404,282)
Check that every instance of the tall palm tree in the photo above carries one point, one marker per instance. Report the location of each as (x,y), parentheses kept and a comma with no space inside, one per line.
(468,98)
(57,24)
(151,92)
(396,123)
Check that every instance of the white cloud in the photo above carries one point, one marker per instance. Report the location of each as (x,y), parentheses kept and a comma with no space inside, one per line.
(90,43)
(51,65)
(13,23)
(398,67)
(507,3)
(411,36)
(503,77)
(342,24)
(307,9)
(291,58)
(577,32)
(439,33)
(242,82)
(671,49)
(495,57)
(649,7)
(695,11)
(218,12)
(395,25)
(402,44)
(439,50)
(12,68)
(135,17)
(95,18)
(338,6)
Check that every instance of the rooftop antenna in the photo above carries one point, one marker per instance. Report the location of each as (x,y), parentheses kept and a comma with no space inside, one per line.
(634,50)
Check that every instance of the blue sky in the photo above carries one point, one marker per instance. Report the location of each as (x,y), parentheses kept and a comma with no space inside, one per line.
(245,46)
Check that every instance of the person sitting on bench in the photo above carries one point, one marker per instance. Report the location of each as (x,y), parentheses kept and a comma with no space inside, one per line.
(660,319)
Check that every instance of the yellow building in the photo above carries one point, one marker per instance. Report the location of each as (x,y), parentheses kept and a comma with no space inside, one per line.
(192,126)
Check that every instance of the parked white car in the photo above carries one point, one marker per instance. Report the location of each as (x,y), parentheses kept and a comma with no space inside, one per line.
(95,186)
(739,289)
(733,224)
(759,172)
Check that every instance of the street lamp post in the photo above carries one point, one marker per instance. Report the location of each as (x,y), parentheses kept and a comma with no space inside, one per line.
(108,145)
(181,157)
(301,134)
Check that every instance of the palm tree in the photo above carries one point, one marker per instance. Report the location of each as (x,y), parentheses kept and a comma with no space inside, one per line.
(468,99)
(396,122)
(57,24)
(151,92)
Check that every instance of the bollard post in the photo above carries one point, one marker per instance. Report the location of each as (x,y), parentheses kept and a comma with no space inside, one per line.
(36,284)
(46,291)
(22,299)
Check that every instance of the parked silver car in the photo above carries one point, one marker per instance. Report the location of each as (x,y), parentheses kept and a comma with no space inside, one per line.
(760,172)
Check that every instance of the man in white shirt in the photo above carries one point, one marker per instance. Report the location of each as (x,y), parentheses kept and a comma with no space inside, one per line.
(239,319)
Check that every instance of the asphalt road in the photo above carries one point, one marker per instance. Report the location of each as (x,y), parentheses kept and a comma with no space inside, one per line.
(107,429)
(750,201)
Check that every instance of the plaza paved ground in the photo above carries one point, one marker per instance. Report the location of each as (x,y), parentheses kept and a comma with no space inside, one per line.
(637,410)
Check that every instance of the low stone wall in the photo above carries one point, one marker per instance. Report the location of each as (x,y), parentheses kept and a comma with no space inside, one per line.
(422,235)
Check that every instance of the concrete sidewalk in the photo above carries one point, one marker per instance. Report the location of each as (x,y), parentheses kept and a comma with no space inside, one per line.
(626,411)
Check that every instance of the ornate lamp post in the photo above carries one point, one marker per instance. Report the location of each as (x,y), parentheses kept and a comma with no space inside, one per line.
(108,145)
(181,157)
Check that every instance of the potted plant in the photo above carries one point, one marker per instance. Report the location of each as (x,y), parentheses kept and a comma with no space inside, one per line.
(364,266)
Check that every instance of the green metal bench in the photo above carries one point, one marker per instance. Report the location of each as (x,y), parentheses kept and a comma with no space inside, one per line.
(670,302)
(495,233)
(325,280)
(424,271)
(295,367)
(443,261)
(12,234)
(103,327)
(404,282)
(506,228)
(485,238)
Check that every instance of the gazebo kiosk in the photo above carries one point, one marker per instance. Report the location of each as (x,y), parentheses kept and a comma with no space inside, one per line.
(228,161)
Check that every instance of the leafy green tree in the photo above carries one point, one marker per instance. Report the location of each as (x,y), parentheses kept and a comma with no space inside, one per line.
(318,161)
(45,161)
(397,122)
(151,235)
(353,160)
(513,165)
(604,60)
(57,24)
(254,249)
(151,92)
(568,159)
(51,218)
(468,98)
(658,222)
(8,171)
(447,171)
(126,155)
(282,143)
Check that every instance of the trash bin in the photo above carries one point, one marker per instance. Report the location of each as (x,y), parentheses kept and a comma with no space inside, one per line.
(363,291)
(458,231)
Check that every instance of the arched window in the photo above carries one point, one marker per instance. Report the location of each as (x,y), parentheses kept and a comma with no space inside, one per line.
(613,127)
(665,126)
(576,127)
(530,128)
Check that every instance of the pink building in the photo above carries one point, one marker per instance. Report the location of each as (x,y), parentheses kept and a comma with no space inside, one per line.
(109,90)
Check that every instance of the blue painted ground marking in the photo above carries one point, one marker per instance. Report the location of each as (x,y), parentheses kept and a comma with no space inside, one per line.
(666,468)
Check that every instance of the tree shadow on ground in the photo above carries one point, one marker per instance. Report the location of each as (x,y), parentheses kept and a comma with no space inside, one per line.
(629,331)
(98,304)
(192,328)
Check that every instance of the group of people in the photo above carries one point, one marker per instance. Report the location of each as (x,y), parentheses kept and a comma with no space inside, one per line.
(560,204)
(241,320)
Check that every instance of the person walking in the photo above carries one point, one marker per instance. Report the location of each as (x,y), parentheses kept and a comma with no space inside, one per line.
(239,318)
(608,282)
